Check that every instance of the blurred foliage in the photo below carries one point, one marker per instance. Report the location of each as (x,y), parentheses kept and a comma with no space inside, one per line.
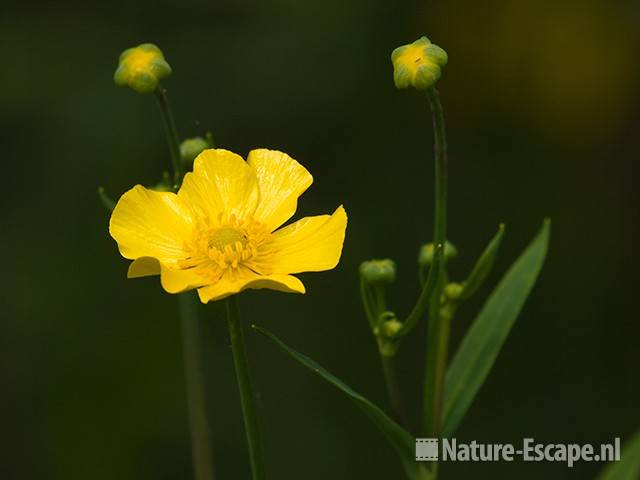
(542,103)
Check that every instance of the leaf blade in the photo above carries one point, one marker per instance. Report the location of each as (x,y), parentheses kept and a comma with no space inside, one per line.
(400,439)
(628,467)
(481,269)
(482,343)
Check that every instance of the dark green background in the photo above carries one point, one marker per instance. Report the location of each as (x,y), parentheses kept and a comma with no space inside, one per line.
(542,104)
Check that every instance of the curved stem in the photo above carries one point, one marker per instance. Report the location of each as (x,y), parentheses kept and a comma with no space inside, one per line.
(247,399)
(195,383)
(425,295)
(365,296)
(438,330)
(171,132)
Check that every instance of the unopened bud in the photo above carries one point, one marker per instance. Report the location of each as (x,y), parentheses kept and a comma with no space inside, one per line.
(418,64)
(141,68)
(378,272)
(425,257)
(191,148)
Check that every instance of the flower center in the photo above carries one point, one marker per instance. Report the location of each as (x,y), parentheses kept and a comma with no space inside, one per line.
(227,244)
(223,237)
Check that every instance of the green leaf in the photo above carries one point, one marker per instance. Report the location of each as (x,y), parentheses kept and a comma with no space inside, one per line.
(628,468)
(481,345)
(107,202)
(400,439)
(483,266)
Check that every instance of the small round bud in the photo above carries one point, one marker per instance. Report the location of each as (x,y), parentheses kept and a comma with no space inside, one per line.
(448,311)
(418,64)
(453,290)
(191,148)
(141,68)
(391,327)
(425,257)
(378,272)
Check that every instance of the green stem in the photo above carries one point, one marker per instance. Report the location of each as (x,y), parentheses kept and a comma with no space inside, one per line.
(440,150)
(438,330)
(195,383)
(365,296)
(171,132)
(194,376)
(247,399)
(426,295)
(396,401)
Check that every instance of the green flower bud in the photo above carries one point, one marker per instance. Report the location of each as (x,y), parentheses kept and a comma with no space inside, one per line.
(391,327)
(418,64)
(378,272)
(386,331)
(453,290)
(425,257)
(448,311)
(191,148)
(141,68)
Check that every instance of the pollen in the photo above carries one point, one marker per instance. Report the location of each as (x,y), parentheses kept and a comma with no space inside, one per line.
(223,237)
(229,244)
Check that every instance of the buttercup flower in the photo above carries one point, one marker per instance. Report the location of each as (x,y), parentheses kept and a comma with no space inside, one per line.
(141,68)
(220,233)
(418,64)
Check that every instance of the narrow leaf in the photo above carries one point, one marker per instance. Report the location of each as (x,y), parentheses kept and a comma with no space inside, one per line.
(107,202)
(482,343)
(628,468)
(483,266)
(400,439)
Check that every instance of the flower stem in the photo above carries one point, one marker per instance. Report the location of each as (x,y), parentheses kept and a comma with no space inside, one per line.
(171,132)
(247,399)
(438,330)
(396,402)
(440,150)
(195,383)
(194,376)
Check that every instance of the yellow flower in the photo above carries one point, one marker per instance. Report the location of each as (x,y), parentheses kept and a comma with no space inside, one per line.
(220,233)
(141,68)
(418,64)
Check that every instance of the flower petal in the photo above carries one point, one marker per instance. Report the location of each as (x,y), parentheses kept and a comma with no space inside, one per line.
(282,180)
(143,267)
(311,244)
(229,285)
(221,182)
(146,223)
(172,280)
(180,280)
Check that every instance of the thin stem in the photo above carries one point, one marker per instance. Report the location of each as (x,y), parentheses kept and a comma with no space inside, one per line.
(194,376)
(426,295)
(396,401)
(365,296)
(247,399)
(438,330)
(195,383)
(380,299)
(171,132)
(440,150)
